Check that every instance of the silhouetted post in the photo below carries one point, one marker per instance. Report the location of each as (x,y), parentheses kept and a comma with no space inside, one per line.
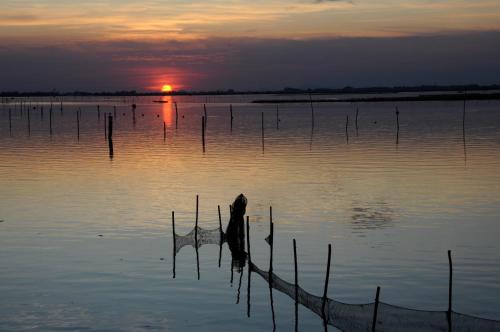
(221,236)
(325,291)
(375,310)
(41,113)
(173,237)
(220,222)
(203,132)
(231,115)
(133,114)
(262,127)
(110,135)
(78,124)
(61,107)
(312,110)
(357,111)
(397,125)
(98,112)
(176,115)
(248,240)
(271,225)
(450,285)
(205,113)
(196,239)
(110,127)
(277,117)
(296,285)
(164,131)
(249,267)
(347,128)
(10,122)
(50,121)
(29,122)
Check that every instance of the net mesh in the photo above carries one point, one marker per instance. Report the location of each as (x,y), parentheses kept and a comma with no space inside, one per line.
(354,317)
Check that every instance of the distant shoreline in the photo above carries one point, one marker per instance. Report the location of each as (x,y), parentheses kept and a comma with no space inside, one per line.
(470,89)
(428,97)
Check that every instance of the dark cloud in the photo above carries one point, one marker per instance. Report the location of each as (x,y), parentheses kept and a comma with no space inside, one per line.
(256,63)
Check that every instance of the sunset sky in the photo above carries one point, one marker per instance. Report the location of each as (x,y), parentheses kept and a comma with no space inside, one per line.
(143,45)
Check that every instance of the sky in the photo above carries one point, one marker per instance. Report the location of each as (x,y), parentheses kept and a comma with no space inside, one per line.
(246,45)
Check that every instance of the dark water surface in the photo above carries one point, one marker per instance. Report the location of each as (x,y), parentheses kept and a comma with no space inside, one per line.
(86,240)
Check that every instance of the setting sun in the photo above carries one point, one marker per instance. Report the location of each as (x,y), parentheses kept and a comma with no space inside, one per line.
(166,88)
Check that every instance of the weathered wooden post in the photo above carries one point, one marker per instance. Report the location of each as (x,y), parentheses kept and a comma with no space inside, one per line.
(450,285)
(205,113)
(231,115)
(176,115)
(375,310)
(10,122)
(173,240)
(296,285)
(325,291)
(203,132)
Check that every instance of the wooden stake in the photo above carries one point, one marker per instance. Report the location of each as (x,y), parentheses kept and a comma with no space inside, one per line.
(375,310)
(296,285)
(110,127)
(450,285)
(205,113)
(176,115)
(203,132)
(164,131)
(50,121)
(262,127)
(231,115)
(173,237)
(248,240)
(325,291)
(10,122)
(78,124)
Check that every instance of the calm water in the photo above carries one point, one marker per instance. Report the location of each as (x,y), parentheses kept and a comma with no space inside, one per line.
(86,240)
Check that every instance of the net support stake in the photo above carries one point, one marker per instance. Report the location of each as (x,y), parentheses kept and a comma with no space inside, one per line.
(325,291)
(375,310)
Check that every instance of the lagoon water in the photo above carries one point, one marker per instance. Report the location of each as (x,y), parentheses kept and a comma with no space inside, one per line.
(86,240)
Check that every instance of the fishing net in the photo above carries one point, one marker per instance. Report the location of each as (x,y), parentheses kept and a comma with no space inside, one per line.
(355,317)
(205,236)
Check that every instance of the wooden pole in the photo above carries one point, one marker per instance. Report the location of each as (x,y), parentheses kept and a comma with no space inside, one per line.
(296,285)
(50,121)
(249,267)
(397,125)
(312,110)
(277,117)
(248,241)
(262,127)
(325,291)
(221,234)
(450,285)
(375,310)
(110,126)
(10,121)
(196,222)
(205,113)
(347,128)
(203,132)
(110,135)
(78,124)
(231,115)
(29,123)
(98,112)
(176,115)
(164,131)
(173,237)
(357,112)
